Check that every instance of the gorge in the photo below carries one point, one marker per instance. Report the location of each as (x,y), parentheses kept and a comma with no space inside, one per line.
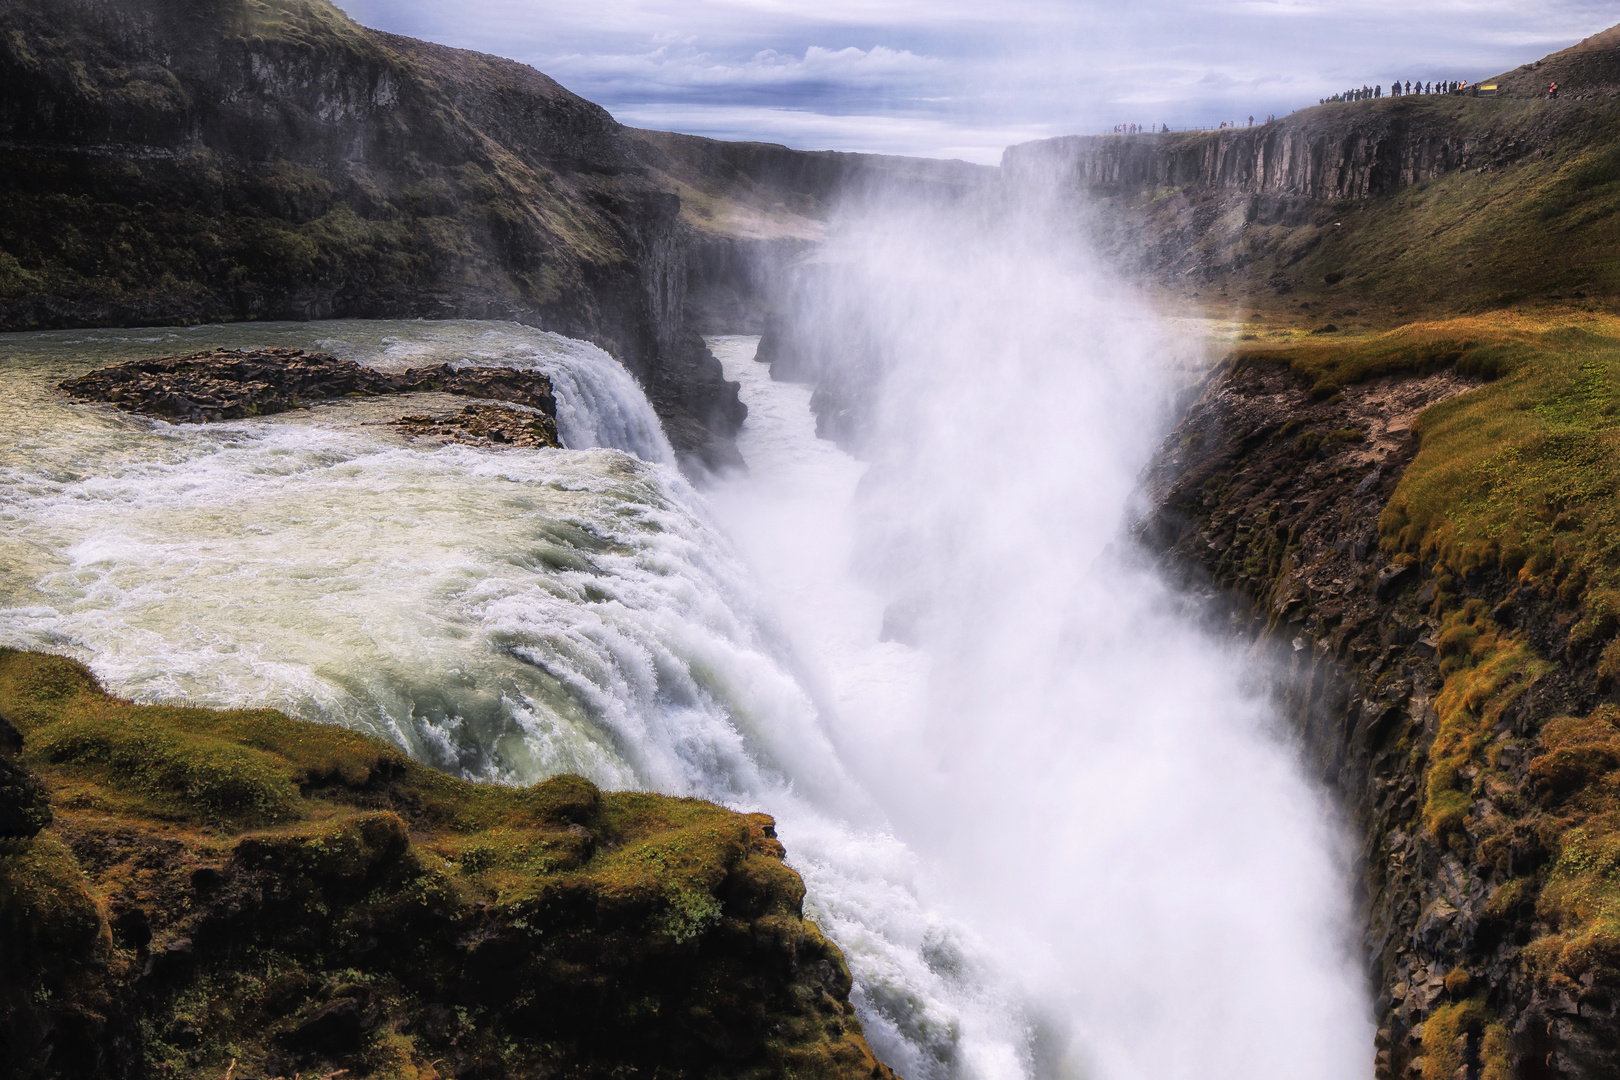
(1133,695)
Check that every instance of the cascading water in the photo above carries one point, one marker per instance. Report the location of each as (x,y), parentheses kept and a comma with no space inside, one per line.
(1093,786)
(1054,837)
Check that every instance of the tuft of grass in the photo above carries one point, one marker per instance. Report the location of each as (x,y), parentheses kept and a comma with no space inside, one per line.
(1463,1021)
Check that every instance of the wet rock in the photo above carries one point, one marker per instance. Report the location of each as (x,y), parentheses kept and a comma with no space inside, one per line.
(1391,578)
(483,425)
(231,384)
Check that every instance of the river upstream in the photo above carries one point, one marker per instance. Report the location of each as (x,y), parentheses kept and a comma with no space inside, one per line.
(1053,828)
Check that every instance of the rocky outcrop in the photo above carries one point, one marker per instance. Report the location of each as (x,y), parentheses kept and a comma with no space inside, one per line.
(25,806)
(484,425)
(228,384)
(241,894)
(1267,500)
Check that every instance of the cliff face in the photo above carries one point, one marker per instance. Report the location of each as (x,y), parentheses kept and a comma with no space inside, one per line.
(1346,154)
(1347,150)
(1413,529)
(754,211)
(165,162)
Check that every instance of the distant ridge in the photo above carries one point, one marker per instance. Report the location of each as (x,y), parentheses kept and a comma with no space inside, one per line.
(1374,213)
(1591,66)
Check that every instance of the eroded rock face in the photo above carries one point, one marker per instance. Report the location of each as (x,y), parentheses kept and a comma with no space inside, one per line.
(276,160)
(1267,501)
(230,384)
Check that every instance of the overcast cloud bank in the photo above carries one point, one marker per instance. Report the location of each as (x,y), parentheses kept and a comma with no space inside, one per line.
(959,79)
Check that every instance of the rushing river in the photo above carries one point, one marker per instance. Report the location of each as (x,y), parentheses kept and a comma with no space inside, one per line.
(1055,836)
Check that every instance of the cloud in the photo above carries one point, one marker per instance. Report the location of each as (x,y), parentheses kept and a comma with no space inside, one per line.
(938,137)
(909,76)
(683,71)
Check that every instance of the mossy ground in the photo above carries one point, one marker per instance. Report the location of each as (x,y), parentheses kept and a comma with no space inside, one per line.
(237,885)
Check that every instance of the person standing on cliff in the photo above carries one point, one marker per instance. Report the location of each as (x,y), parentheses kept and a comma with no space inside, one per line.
(1552,91)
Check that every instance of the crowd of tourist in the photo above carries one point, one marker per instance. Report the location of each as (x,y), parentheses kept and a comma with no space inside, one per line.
(1366,93)
(1400,89)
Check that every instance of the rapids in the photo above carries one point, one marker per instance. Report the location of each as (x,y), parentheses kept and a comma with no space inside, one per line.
(513,614)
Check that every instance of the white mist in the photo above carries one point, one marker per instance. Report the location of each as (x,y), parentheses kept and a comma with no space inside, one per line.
(1142,882)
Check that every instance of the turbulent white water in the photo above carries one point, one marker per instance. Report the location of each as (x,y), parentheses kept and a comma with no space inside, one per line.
(1055,838)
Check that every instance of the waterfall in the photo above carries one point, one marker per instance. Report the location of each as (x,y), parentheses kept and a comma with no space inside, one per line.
(1097,790)
(598,402)
(1053,833)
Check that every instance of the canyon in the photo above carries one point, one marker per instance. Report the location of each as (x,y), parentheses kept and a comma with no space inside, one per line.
(1387,265)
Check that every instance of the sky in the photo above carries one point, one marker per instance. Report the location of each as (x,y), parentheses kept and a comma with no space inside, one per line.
(953,78)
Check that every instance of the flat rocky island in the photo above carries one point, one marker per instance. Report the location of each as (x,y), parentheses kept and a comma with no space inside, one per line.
(228,384)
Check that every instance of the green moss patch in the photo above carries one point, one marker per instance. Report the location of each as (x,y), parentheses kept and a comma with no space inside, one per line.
(225,885)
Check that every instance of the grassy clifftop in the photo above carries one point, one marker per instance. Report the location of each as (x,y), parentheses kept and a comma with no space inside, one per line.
(224,887)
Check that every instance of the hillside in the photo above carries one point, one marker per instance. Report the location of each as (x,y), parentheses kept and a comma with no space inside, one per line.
(191,893)
(1370,214)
